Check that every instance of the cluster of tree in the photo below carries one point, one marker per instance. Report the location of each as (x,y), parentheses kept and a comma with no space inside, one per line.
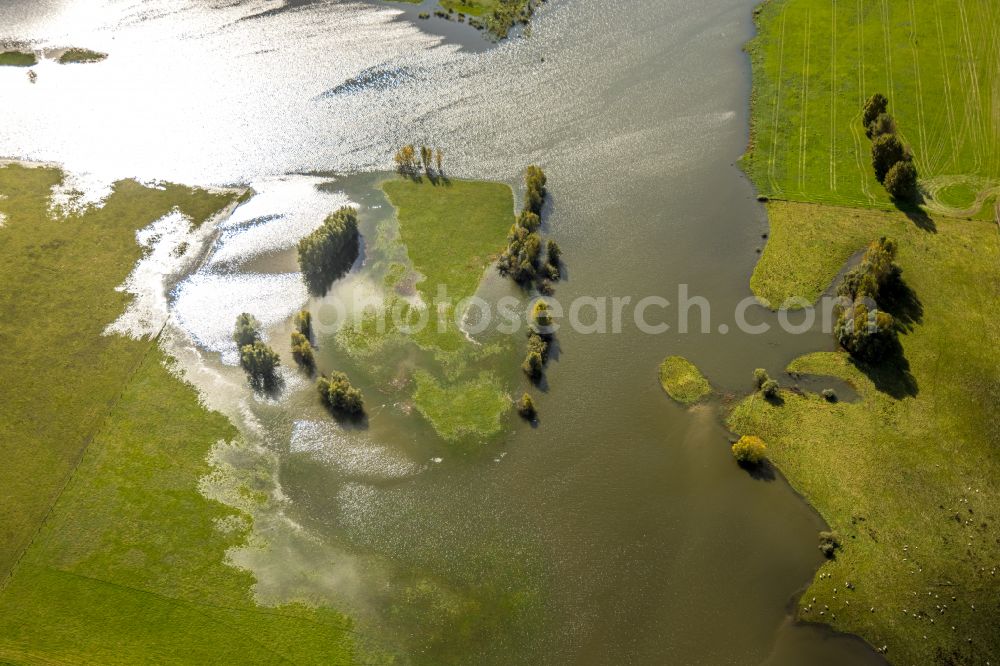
(767,386)
(409,161)
(526,259)
(862,328)
(258,360)
(330,251)
(891,159)
(539,338)
(302,350)
(337,393)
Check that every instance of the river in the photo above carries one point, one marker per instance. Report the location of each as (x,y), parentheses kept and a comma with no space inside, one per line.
(619,530)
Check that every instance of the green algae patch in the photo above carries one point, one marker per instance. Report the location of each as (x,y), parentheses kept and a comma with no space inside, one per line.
(682,380)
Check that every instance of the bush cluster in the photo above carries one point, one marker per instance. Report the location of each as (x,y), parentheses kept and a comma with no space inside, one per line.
(330,251)
(259,361)
(337,393)
(864,330)
(302,350)
(829,543)
(892,161)
(526,258)
(539,339)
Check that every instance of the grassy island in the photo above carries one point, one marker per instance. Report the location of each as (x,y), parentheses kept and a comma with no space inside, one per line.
(906,475)
(109,552)
(682,380)
(17,59)
(81,56)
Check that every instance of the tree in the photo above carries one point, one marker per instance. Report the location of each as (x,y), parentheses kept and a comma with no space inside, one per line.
(425,156)
(526,408)
(876,270)
(884,124)
(876,105)
(330,251)
(541,318)
(760,377)
(770,389)
(302,351)
(303,323)
(887,150)
(865,333)
(533,366)
(538,344)
(260,363)
(749,450)
(337,393)
(901,181)
(439,159)
(534,196)
(247,330)
(406,159)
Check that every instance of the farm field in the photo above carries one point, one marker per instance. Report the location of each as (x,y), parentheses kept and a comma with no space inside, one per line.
(816,61)
(907,475)
(110,553)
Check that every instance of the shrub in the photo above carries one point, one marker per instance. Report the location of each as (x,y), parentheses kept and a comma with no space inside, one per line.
(749,450)
(875,106)
(303,323)
(302,351)
(829,395)
(338,394)
(901,181)
(770,389)
(760,377)
(829,543)
(526,407)
(247,330)
(260,363)
(328,253)
(887,150)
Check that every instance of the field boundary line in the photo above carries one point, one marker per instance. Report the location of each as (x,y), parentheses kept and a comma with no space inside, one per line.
(777,103)
(973,111)
(856,119)
(804,125)
(949,108)
(923,157)
(887,45)
(833,101)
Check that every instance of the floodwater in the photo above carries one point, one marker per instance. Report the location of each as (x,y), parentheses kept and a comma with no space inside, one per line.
(617,531)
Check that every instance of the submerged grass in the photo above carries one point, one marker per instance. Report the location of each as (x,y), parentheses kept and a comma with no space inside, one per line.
(682,380)
(128,561)
(451,231)
(906,475)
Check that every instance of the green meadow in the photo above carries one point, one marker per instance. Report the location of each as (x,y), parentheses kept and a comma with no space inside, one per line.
(109,552)
(907,475)
(816,61)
